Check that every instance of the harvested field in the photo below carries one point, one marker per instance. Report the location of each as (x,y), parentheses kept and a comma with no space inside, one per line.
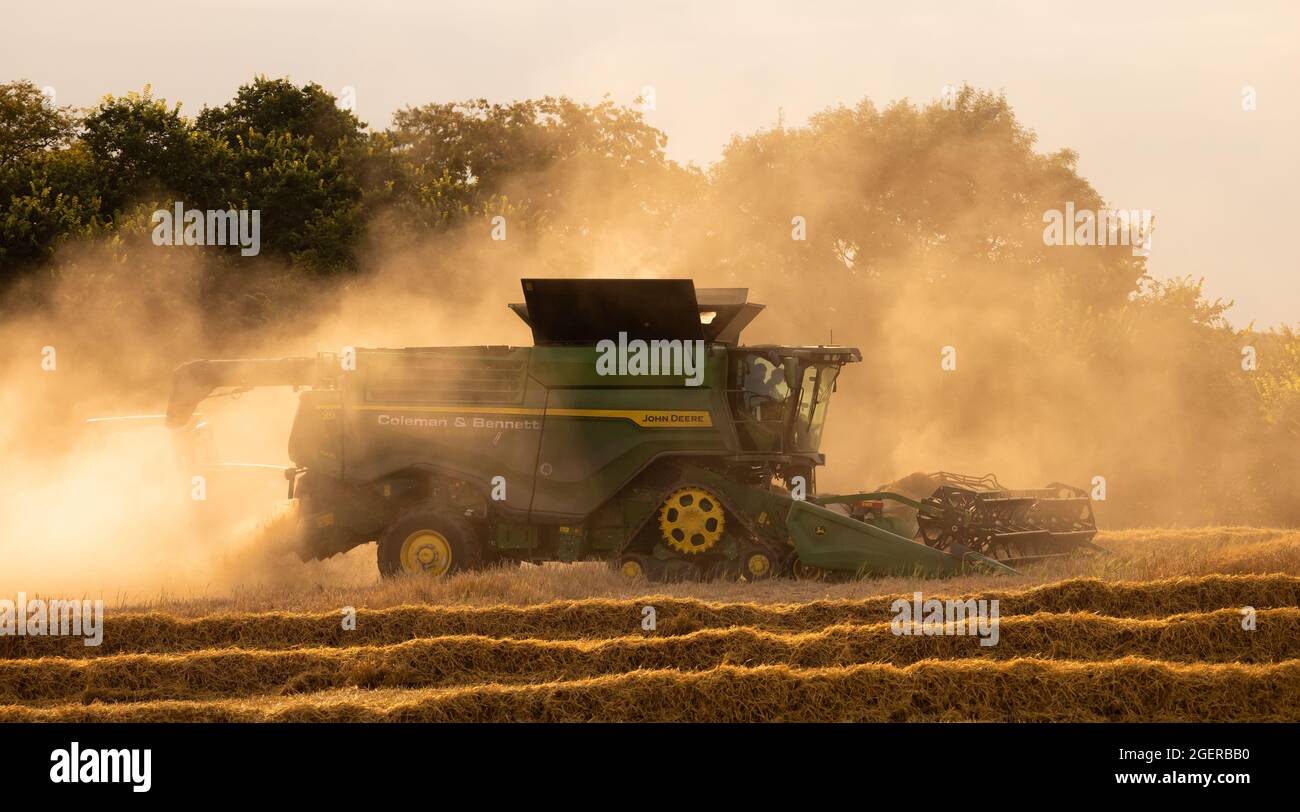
(1128,690)
(475,659)
(603,618)
(1087,648)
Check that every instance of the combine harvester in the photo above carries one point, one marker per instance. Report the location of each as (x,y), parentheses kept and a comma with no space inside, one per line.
(638,430)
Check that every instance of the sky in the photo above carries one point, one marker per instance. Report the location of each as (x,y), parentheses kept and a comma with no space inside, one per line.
(1149,94)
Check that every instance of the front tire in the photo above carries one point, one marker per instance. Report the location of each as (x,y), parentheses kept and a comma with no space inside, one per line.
(422,541)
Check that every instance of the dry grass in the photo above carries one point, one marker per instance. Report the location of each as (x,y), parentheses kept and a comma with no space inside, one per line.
(473,659)
(1151,632)
(1025,690)
(604,618)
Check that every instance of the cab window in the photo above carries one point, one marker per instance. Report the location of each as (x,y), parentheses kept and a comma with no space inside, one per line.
(814,397)
(760,400)
(765,389)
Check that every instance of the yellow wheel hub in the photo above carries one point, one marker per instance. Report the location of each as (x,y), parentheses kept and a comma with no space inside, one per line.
(691,520)
(758,564)
(631,569)
(426,552)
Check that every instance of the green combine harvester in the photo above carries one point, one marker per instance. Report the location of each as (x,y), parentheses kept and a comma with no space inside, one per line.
(637,430)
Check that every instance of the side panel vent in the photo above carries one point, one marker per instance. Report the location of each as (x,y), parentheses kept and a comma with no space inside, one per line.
(438,378)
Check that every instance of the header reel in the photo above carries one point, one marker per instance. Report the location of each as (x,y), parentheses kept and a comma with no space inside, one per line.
(1009,525)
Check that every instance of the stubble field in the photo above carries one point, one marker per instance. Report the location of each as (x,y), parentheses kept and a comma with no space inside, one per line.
(1152,632)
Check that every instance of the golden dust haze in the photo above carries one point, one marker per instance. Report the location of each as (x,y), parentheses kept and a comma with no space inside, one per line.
(103,509)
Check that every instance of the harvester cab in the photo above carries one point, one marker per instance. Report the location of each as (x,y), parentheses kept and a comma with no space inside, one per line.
(779,396)
(637,429)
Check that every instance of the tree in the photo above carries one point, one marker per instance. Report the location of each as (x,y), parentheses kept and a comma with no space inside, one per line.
(462,158)
(47,189)
(309,200)
(277,106)
(954,195)
(296,157)
(30,125)
(47,198)
(147,151)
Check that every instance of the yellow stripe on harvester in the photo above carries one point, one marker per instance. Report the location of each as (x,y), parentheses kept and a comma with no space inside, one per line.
(406,407)
(645,418)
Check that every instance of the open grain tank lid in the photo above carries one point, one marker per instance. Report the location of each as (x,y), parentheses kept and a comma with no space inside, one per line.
(584,311)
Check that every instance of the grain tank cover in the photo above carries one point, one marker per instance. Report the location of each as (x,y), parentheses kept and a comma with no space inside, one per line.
(585,311)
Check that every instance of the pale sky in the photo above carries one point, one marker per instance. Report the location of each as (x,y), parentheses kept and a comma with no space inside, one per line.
(1148,93)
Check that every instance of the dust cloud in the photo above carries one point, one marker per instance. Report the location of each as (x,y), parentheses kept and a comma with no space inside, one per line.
(1047,387)
(97,497)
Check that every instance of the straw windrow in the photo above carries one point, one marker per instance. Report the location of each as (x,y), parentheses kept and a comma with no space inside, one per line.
(1078,650)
